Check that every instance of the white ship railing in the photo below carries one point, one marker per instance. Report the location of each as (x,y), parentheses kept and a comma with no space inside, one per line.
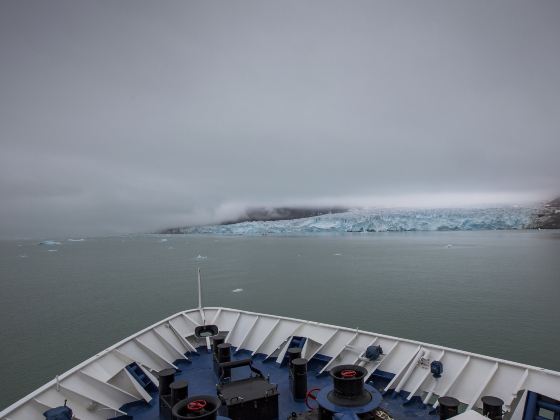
(97,388)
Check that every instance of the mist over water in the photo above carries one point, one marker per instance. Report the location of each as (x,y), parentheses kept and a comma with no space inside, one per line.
(489,292)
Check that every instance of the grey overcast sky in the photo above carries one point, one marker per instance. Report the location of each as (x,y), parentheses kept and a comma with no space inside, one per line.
(130,116)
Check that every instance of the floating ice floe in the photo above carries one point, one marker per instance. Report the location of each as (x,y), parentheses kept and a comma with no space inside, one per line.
(170,247)
(75,240)
(49,243)
(23,256)
(236,290)
(449,245)
(163,240)
(52,250)
(201,257)
(337,254)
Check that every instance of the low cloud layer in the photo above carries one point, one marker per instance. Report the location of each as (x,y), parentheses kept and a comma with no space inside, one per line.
(133,116)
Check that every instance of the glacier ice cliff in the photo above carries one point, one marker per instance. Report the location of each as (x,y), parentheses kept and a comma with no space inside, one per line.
(382,220)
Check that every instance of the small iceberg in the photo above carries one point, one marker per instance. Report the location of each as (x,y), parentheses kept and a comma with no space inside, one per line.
(52,250)
(337,254)
(163,240)
(23,256)
(449,246)
(170,247)
(75,240)
(236,290)
(49,243)
(201,257)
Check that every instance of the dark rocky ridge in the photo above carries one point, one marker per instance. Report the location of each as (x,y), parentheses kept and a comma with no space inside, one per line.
(266,214)
(548,217)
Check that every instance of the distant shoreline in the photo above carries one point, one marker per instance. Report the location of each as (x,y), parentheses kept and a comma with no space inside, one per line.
(266,214)
(385,220)
(280,220)
(548,217)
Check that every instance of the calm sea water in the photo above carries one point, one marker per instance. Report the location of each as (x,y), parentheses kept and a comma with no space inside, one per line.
(497,293)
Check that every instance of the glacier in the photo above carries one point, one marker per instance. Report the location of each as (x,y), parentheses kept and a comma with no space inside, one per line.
(383,220)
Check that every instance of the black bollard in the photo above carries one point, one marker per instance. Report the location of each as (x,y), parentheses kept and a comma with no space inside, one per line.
(492,407)
(298,378)
(224,355)
(179,391)
(293,353)
(216,341)
(448,407)
(165,378)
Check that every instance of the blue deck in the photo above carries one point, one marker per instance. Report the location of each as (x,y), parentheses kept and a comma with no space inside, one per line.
(201,379)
